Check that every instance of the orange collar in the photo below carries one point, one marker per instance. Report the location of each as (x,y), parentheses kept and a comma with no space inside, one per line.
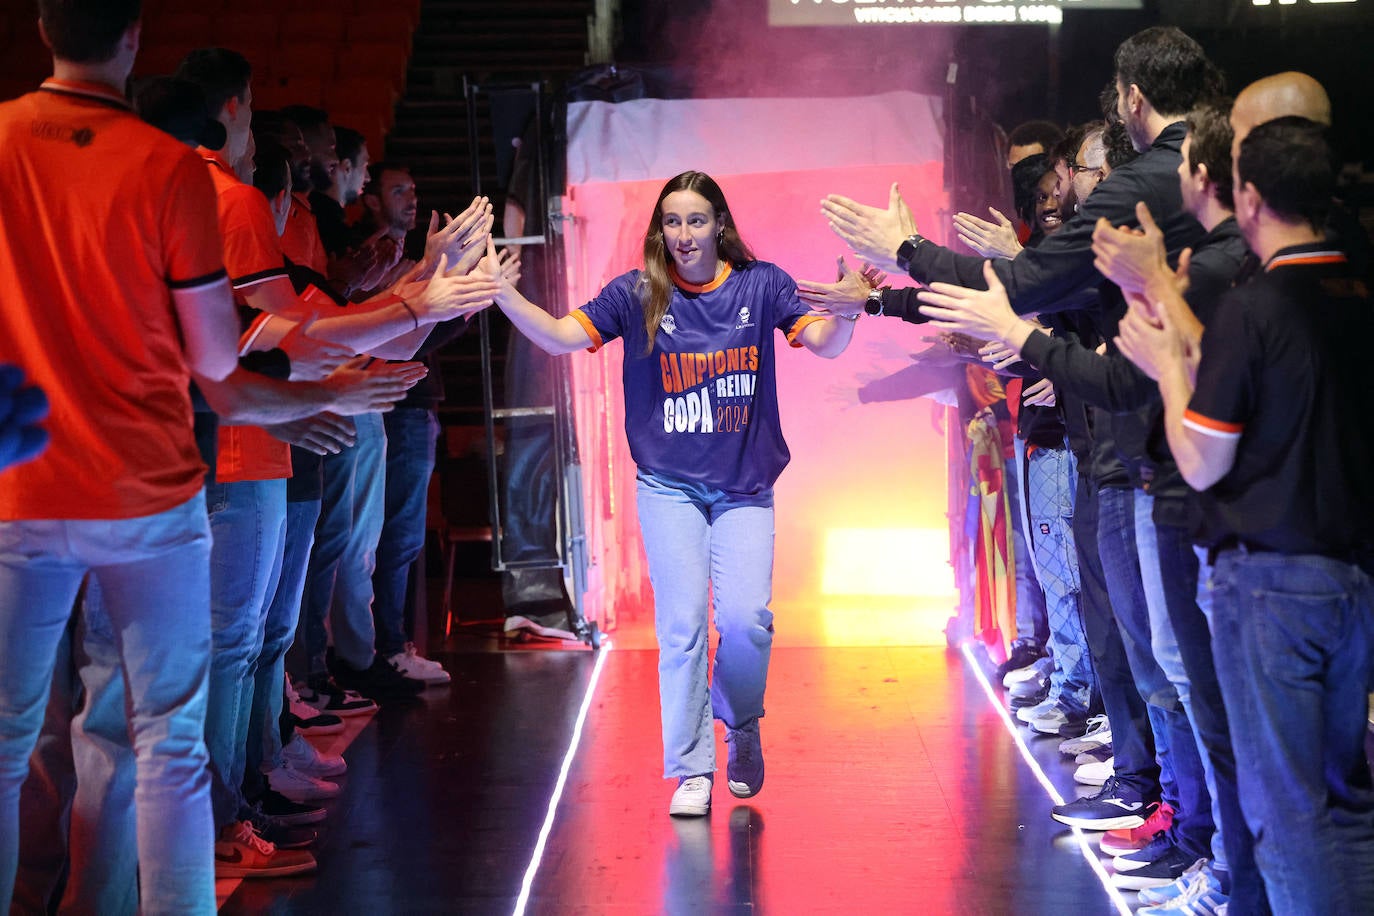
(699,287)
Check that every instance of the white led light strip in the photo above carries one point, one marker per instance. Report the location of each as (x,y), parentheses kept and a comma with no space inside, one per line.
(523,900)
(1089,853)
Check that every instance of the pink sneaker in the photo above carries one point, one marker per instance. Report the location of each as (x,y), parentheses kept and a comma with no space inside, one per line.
(1120,842)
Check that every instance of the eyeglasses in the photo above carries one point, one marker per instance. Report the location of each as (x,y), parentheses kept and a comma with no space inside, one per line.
(1075,168)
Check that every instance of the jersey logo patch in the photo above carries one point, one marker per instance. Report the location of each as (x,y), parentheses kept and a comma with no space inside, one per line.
(46,130)
(668,323)
(744,321)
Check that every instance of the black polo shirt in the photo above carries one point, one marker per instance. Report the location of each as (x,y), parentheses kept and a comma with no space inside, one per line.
(1285,372)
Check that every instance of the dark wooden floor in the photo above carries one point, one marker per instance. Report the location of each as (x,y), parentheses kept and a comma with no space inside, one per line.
(893,787)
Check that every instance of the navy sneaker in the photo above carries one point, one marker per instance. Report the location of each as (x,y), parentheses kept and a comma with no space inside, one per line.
(744,771)
(1159,844)
(1163,871)
(1115,807)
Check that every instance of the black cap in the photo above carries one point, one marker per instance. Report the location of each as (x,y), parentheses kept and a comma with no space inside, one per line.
(178,107)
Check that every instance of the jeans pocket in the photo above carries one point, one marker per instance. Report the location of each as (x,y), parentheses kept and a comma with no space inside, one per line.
(1295,632)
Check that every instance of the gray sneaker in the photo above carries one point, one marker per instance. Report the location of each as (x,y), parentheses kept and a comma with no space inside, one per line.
(692,798)
(744,771)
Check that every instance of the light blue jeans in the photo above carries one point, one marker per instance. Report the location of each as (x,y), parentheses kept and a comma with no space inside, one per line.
(154,575)
(248,521)
(695,536)
(1164,641)
(279,631)
(338,585)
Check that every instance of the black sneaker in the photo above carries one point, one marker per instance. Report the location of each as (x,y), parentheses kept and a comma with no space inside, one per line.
(287,813)
(322,724)
(1165,870)
(744,771)
(380,681)
(1023,652)
(283,836)
(1115,807)
(326,696)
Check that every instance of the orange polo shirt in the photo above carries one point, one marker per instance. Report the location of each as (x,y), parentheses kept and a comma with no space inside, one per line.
(101,217)
(301,240)
(252,255)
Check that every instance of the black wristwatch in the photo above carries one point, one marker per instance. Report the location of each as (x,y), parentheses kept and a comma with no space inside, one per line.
(907,250)
(873,305)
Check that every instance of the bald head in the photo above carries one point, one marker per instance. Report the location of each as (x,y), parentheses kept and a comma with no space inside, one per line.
(1278,96)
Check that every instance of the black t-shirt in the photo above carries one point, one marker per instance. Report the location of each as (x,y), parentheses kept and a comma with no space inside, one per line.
(1284,372)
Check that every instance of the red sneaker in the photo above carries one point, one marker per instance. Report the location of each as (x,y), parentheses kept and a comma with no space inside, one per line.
(1120,842)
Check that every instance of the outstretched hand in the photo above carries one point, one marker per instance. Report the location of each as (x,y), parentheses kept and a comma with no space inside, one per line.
(872,233)
(448,295)
(323,434)
(989,239)
(364,385)
(982,313)
(846,296)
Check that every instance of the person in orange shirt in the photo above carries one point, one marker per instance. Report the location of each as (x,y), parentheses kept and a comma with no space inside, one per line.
(117,494)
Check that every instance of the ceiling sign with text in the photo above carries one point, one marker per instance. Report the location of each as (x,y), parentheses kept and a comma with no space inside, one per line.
(933,12)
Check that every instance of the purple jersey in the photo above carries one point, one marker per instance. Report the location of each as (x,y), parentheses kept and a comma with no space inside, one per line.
(702,405)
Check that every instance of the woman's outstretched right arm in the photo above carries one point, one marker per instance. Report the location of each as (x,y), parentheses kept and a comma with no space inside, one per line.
(553,335)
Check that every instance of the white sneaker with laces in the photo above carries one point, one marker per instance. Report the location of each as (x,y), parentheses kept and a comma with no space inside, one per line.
(1099,733)
(692,798)
(1094,774)
(304,757)
(415,666)
(298,786)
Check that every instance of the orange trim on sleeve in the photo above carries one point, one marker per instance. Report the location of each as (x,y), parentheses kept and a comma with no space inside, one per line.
(1207,426)
(798,326)
(581,318)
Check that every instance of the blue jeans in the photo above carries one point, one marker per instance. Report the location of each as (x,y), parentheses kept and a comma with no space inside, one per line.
(1031,611)
(153,573)
(338,583)
(279,631)
(248,521)
(1051,475)
(695,536)
(1181,776)
(1133,740)
(1294,649)
(411,433)
(1173,577)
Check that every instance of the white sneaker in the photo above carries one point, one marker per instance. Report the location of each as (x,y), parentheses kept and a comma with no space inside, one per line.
(1099,733)
(304,757)
(1095,773)
(1037,670)
(1026,713)
(415,666)
(692,798)
(300,787)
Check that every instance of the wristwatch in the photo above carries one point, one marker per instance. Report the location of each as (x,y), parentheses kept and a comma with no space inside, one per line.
(873,305)
(907,250)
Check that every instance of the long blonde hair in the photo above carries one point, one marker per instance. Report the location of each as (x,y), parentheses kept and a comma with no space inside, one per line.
(655,285)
